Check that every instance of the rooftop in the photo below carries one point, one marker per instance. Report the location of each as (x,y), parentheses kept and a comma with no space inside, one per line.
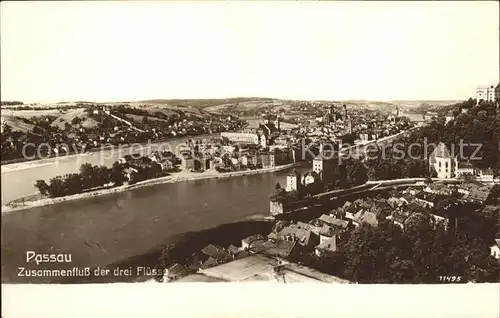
(177,269)
(252,238)
(201,278)
(441,151)
(497,241)
(333,221)
(488,171)
(262,268)
(329,231)
(302,235)
(478,195)
(366,217)
(328,245)
(215,252)
(465,165)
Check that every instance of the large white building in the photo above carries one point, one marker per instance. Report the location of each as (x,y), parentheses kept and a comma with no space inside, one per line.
(443,162)
(251,138)
(489,93)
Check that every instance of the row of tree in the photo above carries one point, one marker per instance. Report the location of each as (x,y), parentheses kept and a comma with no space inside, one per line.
(88,178)
(92,177)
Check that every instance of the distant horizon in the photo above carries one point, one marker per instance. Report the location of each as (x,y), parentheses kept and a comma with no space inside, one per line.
(230,98)
(128,50)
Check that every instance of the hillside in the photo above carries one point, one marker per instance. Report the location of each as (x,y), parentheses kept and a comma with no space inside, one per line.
(202,103)
(226,105)
(87,122)
(423,106)
(169,109)
(245,106)
(258,104)
(17,124)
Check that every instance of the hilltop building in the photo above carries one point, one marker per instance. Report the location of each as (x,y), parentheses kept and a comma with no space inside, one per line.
(488,93)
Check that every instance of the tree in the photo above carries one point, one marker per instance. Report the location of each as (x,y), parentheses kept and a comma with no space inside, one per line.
(76,120)
(402,271)
(7,129)
(56,187)
(367,251)
(117,175)
(277,186)
(353,173)
(494,197)
(42,186)
(467,177)
(87,169)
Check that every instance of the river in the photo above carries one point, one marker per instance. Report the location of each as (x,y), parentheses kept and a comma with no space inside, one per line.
(129,223)
(18,179)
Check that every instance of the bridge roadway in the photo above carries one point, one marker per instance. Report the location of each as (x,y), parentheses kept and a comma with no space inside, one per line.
(383,184)
(357,150)
(322,198)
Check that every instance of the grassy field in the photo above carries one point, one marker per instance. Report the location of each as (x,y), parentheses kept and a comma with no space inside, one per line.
(138,118)
(30,113)
(69,116)
(17,124)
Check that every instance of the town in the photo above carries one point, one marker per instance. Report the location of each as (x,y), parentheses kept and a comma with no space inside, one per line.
(269,141)
(335,222)
(320,213)
(350,146)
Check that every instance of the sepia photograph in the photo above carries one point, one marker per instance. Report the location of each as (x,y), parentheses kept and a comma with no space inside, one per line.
(157,144)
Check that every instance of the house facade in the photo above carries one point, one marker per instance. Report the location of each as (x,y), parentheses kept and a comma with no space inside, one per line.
(489,93)
(442,161)
(293,181)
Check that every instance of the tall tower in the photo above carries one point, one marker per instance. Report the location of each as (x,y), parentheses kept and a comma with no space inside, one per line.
(293,181)
(277,122)
(326,118)
(345,112)
(397,111)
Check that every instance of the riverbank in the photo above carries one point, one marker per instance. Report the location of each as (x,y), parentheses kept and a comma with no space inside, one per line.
(176,177)
(32,163)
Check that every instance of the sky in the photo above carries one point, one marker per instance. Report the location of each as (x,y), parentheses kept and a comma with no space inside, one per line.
(125,51)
